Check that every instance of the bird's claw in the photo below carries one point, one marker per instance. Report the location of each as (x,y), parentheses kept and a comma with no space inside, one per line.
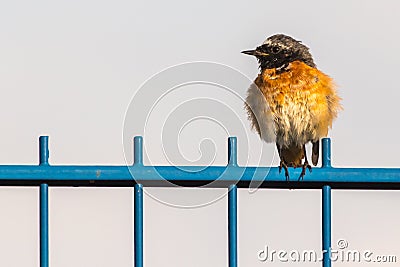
(304,169)
(285,167)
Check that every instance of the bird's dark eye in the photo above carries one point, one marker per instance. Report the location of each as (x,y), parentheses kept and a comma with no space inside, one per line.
(276,49)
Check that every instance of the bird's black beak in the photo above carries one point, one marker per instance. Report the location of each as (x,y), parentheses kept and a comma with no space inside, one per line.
(254,53)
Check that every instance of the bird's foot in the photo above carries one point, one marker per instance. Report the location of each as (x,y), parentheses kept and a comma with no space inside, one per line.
(304,169)
(285,167)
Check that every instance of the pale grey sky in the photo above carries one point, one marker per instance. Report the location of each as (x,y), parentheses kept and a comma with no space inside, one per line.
(69,69)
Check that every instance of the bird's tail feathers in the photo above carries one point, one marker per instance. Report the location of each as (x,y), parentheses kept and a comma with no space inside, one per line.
(315,152)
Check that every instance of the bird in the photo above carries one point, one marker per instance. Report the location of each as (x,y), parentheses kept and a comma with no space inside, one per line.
(291,102)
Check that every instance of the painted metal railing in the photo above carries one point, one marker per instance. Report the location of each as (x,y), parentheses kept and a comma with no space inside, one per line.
(230,176)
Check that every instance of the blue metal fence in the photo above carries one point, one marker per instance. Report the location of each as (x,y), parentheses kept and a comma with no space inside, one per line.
(230,176)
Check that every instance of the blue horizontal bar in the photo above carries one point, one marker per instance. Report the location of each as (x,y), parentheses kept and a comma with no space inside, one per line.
(159,174)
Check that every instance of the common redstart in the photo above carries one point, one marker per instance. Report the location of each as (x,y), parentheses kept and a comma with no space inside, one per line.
(291,102)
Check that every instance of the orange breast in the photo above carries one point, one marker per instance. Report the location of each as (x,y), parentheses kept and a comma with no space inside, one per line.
(303,102)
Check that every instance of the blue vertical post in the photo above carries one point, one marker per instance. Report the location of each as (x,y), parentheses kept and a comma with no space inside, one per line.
(138,150)
(44,204)
(232,151)
(232,206)
(44,225)
(326,206)
(138,206)
(326,153)
(43,150)
(232,225)
(326,225)
(138,225)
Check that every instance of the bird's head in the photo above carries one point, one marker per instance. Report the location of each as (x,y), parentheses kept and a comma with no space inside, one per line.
(279,50)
